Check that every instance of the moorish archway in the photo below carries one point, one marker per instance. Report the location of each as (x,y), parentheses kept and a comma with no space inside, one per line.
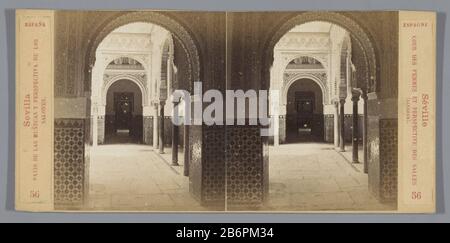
(179,32)
(367,65)
(186,46)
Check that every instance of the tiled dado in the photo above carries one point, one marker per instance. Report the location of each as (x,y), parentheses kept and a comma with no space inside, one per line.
(245,166)
(148,130)
(388,159)
(213,169)
(228,159)
(207,165)
(282,128)
(101,129)
(69,163)
(328,128)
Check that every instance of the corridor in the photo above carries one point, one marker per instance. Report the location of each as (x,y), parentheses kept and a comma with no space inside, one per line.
(133,177)
(314,176)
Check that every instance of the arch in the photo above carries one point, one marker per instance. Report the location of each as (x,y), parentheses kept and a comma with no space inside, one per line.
(368,73)
(299,76)
(176,29)
(131,78)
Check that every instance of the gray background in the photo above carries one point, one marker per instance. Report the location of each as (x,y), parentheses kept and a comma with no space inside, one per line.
(7,106)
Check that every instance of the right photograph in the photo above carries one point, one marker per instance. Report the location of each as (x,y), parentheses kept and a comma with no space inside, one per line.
(336,145)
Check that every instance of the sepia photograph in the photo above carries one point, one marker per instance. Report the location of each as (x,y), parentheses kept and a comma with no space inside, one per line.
(334,141)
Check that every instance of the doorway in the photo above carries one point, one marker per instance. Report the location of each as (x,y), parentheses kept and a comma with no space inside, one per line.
(123,123)
(304,117)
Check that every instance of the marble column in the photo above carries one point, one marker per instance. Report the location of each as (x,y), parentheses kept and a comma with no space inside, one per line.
(161,126)
(94,122)
(365,129)
(342,125)
(276,136)
(336,124)
(175,136)
(155,127)
(186,150)
(100,123)
(355,99)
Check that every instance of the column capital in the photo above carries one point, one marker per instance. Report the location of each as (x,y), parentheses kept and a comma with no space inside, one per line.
(364,95)
(176,101)
(355,95)
(342,101)
(335,102)
(342,91)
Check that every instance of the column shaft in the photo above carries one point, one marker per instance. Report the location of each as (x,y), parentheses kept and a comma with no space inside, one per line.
(186,150)
(355,99)
(342,125)
(175,136)
(365,129)
(161,127)
(336,124)
(155,128)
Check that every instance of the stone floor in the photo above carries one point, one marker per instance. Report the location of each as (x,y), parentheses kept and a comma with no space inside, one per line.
(314,176)
(132,177)
(167,157)
(303,177)
(121,137)
(348,155)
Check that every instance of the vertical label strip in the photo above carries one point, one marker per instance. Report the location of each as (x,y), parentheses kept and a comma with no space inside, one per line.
(34,110)
(417,80)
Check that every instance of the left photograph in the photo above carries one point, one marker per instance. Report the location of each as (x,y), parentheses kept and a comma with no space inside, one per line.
(115,145)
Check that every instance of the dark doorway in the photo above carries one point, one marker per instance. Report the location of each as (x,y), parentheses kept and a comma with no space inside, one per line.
(123,121)
(304,102)
(123,103)
(304,118)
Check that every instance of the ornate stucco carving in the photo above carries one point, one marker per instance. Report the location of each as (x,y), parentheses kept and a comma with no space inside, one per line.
(126,41)
(139,76)
(142,58)
(298,40)
(289,56)
(321,75)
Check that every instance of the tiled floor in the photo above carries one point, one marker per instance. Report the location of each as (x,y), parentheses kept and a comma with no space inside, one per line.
(313,176)
(133,177)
